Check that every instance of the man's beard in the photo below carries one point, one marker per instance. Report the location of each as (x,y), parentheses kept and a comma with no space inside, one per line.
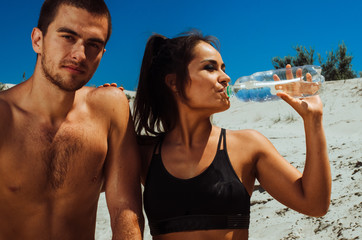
(48,67)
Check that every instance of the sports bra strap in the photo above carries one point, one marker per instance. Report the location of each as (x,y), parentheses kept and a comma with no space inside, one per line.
(223,139)
(158,145)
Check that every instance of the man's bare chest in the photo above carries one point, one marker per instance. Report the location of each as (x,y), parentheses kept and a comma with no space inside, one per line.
(70,155)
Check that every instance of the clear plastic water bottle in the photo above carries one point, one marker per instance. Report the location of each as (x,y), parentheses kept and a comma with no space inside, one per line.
(298,82)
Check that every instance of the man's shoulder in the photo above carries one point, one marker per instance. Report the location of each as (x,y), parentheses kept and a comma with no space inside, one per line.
(5,100)
(102,94)
(105,98)
(5,109)
(12,94)
(4,94)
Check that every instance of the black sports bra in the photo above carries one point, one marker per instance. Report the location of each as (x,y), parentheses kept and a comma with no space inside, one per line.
(215,199)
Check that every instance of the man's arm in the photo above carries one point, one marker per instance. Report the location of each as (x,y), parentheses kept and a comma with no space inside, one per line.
(122,171)
(5,116)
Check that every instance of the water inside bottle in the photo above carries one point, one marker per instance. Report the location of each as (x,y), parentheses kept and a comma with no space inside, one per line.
(264,86)
(267,90)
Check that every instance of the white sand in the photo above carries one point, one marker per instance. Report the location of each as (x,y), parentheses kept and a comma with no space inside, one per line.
(277,121)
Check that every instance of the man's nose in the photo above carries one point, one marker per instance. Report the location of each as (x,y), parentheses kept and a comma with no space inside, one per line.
(78,52)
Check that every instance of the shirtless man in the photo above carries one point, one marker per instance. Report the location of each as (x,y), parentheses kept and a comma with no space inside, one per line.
(61,144)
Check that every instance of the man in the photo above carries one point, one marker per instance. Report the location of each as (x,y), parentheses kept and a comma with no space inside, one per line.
(61,144)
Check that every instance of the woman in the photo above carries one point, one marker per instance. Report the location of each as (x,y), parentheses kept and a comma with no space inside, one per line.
(198,178)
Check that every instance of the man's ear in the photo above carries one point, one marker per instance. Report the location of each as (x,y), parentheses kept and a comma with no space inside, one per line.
(37,40)
(170,81)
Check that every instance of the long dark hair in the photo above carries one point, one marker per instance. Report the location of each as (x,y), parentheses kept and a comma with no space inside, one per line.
(155,109)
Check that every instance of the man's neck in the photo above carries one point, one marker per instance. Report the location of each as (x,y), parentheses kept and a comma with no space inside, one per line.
(47,99)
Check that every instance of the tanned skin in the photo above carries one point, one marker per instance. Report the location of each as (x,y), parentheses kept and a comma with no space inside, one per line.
(61,144)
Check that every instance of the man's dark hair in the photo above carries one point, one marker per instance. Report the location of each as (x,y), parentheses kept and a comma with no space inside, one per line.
(50,8)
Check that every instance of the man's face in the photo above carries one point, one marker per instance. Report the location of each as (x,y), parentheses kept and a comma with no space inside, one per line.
(73,47)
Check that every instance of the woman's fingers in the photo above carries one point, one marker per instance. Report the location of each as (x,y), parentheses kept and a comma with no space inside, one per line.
(288,72)
(299,73)
(309,77)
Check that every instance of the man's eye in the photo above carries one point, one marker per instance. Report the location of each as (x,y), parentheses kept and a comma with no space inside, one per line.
(68,37)
(95,46)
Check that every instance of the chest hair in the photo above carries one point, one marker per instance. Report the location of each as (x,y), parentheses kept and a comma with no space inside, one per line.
(62,148)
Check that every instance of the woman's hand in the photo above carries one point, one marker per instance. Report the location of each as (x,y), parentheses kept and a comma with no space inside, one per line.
(297,88)
(111,85)
(309,107)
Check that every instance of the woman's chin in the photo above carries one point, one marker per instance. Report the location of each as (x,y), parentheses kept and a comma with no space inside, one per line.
(223,108)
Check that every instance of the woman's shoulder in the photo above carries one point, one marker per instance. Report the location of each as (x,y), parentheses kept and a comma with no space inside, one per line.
(248,141)
(245,135)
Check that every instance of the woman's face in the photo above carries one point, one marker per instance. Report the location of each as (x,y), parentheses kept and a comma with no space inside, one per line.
(208,80)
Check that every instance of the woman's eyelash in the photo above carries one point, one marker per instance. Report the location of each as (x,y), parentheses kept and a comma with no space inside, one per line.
(210,66)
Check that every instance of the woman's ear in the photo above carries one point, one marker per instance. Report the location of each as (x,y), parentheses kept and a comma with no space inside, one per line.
(37,40)
(170,81)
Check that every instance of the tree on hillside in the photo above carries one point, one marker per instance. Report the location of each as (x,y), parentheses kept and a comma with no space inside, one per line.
(282,62)
(330,67)
(2,86)
(303,57)
(336,67)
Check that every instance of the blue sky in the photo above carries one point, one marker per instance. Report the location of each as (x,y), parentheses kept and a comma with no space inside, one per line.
(251,33)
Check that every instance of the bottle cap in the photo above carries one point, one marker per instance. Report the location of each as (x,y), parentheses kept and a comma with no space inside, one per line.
(229,91)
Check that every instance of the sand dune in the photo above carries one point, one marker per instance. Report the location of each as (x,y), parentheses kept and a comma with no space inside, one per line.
(277,121)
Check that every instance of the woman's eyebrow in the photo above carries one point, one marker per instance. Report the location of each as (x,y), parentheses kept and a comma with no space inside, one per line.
(209,60)
(213,62)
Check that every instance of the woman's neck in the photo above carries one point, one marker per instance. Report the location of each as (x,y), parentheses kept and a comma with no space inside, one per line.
(190,131)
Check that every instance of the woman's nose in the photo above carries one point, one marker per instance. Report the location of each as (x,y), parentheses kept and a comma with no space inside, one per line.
(224,79)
